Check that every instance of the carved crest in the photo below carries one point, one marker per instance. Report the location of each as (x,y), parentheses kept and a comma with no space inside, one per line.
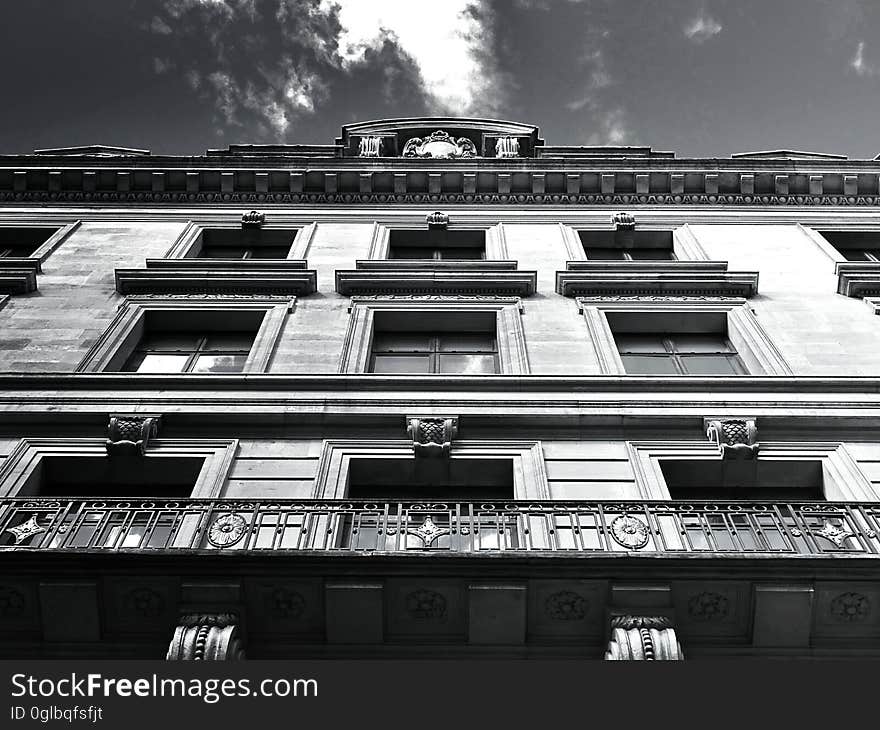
(643,638)
(623,221)
(437,220)
(131,434)
(440,146)
(432,436)
(253,219)
(207,637)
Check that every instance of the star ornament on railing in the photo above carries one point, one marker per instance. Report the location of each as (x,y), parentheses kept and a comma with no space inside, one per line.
(838,534)
(428,531)
(26,530)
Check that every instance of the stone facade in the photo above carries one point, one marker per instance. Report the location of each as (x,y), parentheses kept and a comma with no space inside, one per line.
(586,445)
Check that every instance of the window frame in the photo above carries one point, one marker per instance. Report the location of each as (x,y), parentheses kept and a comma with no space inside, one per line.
(496,239)
(844,481)
(529,470)
(754,347)
(509,334)
(679,357)
(685,244)
(435,352)
(25,458)
(121,337)
(188,243)
(45,249)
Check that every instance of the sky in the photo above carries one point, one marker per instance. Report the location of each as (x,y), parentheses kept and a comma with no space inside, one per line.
(703,78)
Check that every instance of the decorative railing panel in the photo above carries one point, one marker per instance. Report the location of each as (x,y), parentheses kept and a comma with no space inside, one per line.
(738,528)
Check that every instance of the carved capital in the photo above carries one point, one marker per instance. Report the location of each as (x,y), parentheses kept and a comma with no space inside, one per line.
(131,434)
(432,436)
(206,637)
(643,638)
(253,219)
(370,147)
(737,438)
(437,220)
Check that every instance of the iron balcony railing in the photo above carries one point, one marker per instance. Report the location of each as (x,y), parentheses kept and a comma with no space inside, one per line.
(738,528)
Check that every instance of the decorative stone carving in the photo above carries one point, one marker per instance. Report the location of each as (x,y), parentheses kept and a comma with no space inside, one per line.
(439,145)
(629,531)
(26,530)
(566,606)
(370,147)
(851,607)
(437,220)
(130,435)
(253,219)
(643,638)
(284,602)
(708,606)
(623,222)
(736,438)
(426,605)
(227,530)
(12,602)
(145,602)
(206,637)
(432,436)
(507,147)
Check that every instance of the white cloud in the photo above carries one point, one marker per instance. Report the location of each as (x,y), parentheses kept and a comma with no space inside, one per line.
(860,65)
(613,129)
(447,40)
(702,28)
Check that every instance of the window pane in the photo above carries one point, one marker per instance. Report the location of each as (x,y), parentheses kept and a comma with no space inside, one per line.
(639,343)
(401,342)
(170,341)
(229,341)
(467,364)
(401,364)
(649,365)
(462,253)
(269,252)
(222,252)
(152,363)
(712,365)
(650,254)
(466,342)
(700,343)
(410,252)
(219,363)
(604,254)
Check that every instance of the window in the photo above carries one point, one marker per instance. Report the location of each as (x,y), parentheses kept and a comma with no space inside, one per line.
(190,352)
(753,480)
(245,243)
(861,246)
(190,334)
(463,353)
(679,336)
(464,335)
(437,244)
(678,354)
(627,245)
(434,480)
(23,242)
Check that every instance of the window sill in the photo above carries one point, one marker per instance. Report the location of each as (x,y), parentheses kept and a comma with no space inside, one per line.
(858,279)
(437,277)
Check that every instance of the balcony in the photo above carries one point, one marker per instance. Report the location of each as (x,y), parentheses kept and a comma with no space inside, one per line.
(561,529)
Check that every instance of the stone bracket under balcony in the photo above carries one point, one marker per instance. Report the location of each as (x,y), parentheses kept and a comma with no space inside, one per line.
(19,275)
(858,279)
(218,276)
(654,278)
(397,276)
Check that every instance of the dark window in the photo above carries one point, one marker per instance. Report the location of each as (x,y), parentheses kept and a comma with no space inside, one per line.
(627,245)
(22,242)
(678,353)
(463,353)
(752,480)
(191,352)
(437,244)
(246,243)
(855,245)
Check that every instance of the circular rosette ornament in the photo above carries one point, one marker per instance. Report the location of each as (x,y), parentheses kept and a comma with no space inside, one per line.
(630,532)
(227,530)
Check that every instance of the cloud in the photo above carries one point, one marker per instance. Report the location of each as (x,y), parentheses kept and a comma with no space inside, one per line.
(860,65)
(702,28)
(267,63)
(613,129)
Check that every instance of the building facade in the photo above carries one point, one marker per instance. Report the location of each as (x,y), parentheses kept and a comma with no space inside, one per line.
(439,388)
